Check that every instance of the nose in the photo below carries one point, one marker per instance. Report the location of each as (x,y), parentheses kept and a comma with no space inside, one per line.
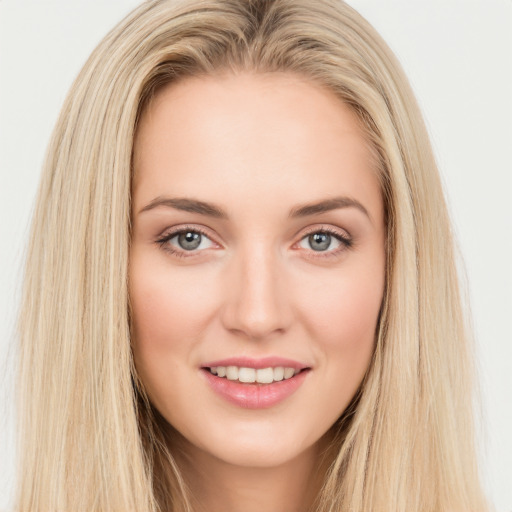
(257,302)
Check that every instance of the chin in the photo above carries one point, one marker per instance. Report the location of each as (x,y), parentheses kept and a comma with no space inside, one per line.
(254,446)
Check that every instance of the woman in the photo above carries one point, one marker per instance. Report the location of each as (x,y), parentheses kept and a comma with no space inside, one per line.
(247,295)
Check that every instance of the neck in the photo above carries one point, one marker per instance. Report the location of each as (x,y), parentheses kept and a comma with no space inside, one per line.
(218,486)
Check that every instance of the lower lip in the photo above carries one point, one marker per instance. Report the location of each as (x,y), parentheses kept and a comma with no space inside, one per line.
(255,396)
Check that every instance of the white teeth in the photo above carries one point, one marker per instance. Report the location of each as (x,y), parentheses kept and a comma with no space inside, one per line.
(247,375)
(265,375)
(288,372)
(279,373)
(232,372)
(250,375)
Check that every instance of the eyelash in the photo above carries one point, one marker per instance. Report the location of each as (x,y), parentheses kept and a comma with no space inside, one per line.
(346,242)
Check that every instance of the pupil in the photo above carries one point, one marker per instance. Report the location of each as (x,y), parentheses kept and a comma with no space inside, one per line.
(189,240)
(320,241)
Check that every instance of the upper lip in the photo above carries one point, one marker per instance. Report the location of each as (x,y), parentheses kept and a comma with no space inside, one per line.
(257,363)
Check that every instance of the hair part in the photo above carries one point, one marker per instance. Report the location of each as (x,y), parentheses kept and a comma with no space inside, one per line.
(89,438)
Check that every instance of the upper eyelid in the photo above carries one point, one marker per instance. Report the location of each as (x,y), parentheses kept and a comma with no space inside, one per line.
(206,231)
(169,233)
(339,231)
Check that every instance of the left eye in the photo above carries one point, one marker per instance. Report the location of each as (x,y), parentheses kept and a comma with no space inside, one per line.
(321,241)
(189,240)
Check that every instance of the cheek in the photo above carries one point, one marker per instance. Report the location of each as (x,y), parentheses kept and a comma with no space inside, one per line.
(346,321)
(165,307)
(343,312)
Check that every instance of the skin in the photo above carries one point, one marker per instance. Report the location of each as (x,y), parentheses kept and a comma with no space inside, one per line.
(256,145)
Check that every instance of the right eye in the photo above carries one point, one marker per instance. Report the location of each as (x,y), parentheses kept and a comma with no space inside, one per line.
(182,241)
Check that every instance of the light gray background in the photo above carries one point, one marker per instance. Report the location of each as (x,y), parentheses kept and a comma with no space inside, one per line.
(458,56)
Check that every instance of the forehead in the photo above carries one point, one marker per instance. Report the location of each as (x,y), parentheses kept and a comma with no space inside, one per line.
(250,135)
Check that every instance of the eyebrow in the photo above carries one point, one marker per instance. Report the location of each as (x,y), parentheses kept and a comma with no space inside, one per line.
(187,205)
(212,210)
(327,205)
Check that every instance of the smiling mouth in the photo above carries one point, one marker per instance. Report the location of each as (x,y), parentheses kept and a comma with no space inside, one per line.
(254,376)
(255,388)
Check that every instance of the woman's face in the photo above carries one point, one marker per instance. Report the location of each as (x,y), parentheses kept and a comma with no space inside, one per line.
(257,252)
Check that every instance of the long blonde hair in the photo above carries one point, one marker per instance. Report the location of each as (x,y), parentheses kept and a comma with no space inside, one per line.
(89,439)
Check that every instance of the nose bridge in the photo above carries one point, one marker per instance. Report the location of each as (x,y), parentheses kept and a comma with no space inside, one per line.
(257,299)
